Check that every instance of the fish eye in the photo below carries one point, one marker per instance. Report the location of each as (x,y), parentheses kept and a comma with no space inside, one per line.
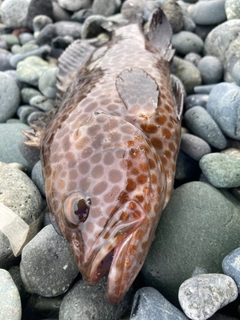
(76,209)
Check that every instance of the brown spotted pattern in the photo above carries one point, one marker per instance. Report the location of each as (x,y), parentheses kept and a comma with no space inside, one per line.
(109,159)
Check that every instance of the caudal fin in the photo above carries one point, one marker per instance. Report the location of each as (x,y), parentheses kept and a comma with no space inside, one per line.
(160,34)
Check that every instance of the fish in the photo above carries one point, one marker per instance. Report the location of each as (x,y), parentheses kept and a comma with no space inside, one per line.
(109,153)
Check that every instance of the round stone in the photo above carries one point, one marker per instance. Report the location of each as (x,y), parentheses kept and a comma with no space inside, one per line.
(194,146)
(231,266)
(208,12)
(211,69)
(185,42)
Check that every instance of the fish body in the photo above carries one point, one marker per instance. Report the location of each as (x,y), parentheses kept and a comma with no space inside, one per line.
(109,154)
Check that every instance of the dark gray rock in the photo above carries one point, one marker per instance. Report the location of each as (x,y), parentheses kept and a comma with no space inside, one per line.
(211,69)
(30,154)
(194,146)
(5,57)
(209,12)
(231,266)
(200,122)
(47,265)
(198,228)
(194,100)
(174,13)
(186,168)
(148,303)
(39,7)
(206,88)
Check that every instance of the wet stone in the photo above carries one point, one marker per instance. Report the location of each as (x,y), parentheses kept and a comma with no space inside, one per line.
(38,7)
(205,88)
(186,168)
(201,296)
(30,154)
(28,93)
(231,266)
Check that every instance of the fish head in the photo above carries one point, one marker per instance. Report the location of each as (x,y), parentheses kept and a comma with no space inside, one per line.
(109,217)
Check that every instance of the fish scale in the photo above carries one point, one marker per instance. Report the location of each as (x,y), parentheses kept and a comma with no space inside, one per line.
(109,153)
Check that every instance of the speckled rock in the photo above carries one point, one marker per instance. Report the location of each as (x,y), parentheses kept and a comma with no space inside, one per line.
(148,303)
(194,146)
(87,302)
(9,96)
(11,15)
(185,42)
(187,73)
(208,12)
(10,300)
(231,266)
(19,194)
(30,69)
(47,265)
(201,296)
(200,122)
(211,69)
(232,9)
(221,170)
(198,228)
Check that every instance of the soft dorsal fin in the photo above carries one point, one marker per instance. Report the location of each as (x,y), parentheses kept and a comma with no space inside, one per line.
(160,34)
(71,61)
(138,91)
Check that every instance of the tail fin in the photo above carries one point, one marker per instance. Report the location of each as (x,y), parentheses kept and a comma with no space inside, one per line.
(160,34)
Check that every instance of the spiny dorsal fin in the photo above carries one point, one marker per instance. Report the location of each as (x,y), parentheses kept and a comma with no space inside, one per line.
(160,34)
(71,61)
(179,93)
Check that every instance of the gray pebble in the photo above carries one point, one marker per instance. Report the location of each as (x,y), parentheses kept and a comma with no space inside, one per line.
(42,102)
(34,116)
(11,14)
(30,154)
(206,88)
(148,303)
(193,100)
(174,13)
(193,58)
(24,111)
(194,146)
(232,55)
(3,43)
(92,26)
(47,83)
(11,308)
(59,14)
(208,12)
(11,39)
(198,228)
(5,57)
(75,5)
(28,93)
(25,37)
(185,42)
(211,69)
(201,296)
(199,121)
(39,7)
(187,73)
(231,266)
(106,7)
(40,21)
(203,31)
(30,69)
(47,265)
(9,96)
(15,274)
(88,302)
(232,9)
(41,51)
(221,170)
(236,72)
(37,177)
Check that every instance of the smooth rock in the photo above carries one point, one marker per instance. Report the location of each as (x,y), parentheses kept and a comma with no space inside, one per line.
(5,57)
(30,154)
(28,93)
(194,146)
(92,26)
(148,303)
(40,21)
(236,72)
(211,69)
(232,9)
(106,7)
(221,170)
(11,308)
(11,39)
(234,152)
(59,14)
(74,5)
(198,228)
(187,73)
(37,177)
(193,58)
(47,83)
(25,37)
(47,265)
(34,116)
(3,43)
(88,302)
(15,274)
(185,42)
(194,100)
(205,88)
(9,96)
(231,266)
(39,7)
(24,111)
(208,12)
(186,168)
(200,122)
(11,14)
(42,103)
(30,69)
(201,296)
(173,12)
(232,55)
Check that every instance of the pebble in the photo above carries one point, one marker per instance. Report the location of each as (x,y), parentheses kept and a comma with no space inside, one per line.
(11,40)
(38,7)
(11,15)
(25,37)
(9,95)
(75,5)
(232,55)
(231,266)
(24,111)
(174,13)
(30,69)
(201,296)
(232,9)
(232,152)
(27,204)
(47,266)
(5,57)
(211,69)
(88,302)
(40,52)
(208,12)
(28,93)
(194,100)
(193,236)
(185,42)
(194,146)
(11,308)
(186,168)
(92,26)
(3,43)
(187,73)
(221,170)
(148,303)
(193,58)
(236,72)
(59,14)
(105,7)
(205,88)
(37,177)
(47,83)
(42,103)
(40,21)
(15,274)
(34,116)
(200,122)
(30,154)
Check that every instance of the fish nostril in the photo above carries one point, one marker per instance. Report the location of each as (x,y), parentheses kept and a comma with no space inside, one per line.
(81,210)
